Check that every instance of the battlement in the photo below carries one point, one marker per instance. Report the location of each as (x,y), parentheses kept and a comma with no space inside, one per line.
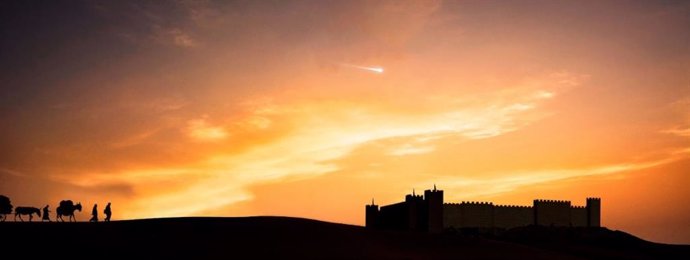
(552,212)
(543,201)
(476,203)
(411,197)
(468,203)
(513,206)
(429,212)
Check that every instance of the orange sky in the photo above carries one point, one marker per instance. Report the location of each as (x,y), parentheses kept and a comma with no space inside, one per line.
(251,108)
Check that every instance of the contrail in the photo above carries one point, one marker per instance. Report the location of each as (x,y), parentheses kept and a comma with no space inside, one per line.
(372,69)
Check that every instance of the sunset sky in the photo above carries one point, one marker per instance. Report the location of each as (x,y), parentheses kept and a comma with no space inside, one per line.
(236,108)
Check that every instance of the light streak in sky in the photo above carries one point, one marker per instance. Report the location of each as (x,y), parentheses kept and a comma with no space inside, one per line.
(378,70)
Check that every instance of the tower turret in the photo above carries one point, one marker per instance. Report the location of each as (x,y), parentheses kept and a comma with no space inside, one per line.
(593,212)
(434,201)
(372,213)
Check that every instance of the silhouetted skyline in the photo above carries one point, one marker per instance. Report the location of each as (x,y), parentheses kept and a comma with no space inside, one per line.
(429,212)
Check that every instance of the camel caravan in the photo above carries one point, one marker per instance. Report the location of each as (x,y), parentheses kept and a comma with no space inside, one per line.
(65,209)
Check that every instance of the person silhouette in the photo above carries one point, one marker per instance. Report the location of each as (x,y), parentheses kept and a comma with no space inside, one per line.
(94,213)
(46,213)
(107,212)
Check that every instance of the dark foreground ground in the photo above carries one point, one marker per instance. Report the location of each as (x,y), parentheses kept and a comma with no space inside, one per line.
(290,238)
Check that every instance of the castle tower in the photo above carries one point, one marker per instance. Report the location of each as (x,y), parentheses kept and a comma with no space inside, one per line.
(593,212)
(434,201)
(416,211)
(372,213)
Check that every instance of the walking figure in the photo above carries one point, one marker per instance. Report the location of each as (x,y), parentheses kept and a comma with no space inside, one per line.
(107,212)
(46,213)
(94,213)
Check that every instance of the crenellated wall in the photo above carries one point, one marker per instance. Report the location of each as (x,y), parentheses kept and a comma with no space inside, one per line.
(468,214)
(452,215)
(429,213)
(543,212)
(552,212)
(477,214)
(508,216)
(578,216)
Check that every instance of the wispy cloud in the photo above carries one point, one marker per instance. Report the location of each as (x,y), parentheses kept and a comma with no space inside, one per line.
(13,172)
(685,132)
(510,181)
(172,36)
(320,132)
(408,149)
(201,130)
(134,139)
(181,38)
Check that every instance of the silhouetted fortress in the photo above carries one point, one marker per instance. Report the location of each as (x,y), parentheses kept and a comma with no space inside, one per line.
(429,213)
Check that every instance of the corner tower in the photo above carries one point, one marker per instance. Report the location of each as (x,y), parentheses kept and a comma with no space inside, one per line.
(593,212)
(372,213)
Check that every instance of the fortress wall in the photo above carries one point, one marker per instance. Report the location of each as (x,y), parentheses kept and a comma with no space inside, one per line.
(513,216)
(477,214)
(429,213)
(394,216)
(578,216)
(487,215)
(452,215)
(552,212)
